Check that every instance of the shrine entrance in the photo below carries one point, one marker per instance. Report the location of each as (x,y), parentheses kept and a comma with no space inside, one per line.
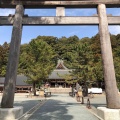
(20,19)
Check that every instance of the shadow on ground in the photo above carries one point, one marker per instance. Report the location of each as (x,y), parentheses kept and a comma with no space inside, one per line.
(27,105)
(53,110)
(99,105)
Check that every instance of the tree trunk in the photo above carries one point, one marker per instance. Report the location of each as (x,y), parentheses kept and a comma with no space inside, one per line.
(11,73)
(112,97)
(34,88)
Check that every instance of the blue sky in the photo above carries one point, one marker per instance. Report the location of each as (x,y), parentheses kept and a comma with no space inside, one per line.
(30,32)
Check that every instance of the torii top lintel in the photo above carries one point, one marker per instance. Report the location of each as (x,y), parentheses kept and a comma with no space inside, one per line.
(55,3)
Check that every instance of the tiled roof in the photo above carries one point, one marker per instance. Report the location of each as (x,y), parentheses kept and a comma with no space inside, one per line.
(19,82)
(58,74)
(60,71)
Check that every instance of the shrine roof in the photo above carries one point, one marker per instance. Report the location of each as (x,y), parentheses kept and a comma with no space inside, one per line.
(60,71)
(60,65)
(58,74)
(19,81)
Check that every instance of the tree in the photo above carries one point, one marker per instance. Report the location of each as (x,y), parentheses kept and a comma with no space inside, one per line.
(97,60)
(115,40)
(4,51)
(66,49)
(22,64)
(83,62)
(38,60)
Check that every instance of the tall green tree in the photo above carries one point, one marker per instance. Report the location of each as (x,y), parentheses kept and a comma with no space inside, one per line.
(97,61)
(22,64)
(38,60)
(4,51)
(83,62)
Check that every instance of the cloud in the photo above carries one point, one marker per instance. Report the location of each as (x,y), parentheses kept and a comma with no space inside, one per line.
(6,12)
(114,29)
(78,30)
(74,32)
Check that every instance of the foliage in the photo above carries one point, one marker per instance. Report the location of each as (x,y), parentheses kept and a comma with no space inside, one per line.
(83,62)
(36,61)
(116,54)
(65,48)
(4,50)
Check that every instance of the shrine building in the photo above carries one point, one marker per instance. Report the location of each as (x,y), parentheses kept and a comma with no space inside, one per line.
(56,78)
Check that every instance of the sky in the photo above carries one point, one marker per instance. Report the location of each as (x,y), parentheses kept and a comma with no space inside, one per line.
(30,32)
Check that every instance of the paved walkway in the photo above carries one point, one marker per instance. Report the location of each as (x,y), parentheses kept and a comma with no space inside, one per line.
(62,107)
(22,100)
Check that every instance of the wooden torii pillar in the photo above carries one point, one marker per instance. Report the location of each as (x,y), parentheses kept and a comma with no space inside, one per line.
(112,98)
(11,73)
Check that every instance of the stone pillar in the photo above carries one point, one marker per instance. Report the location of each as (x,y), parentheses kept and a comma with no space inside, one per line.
(60,11)
(11,113)
(11,73)
(111,90)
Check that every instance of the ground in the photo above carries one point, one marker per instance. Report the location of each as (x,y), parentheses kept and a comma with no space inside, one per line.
(57,107)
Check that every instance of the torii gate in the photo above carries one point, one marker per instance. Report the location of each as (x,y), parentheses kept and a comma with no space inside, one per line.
(19,19)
